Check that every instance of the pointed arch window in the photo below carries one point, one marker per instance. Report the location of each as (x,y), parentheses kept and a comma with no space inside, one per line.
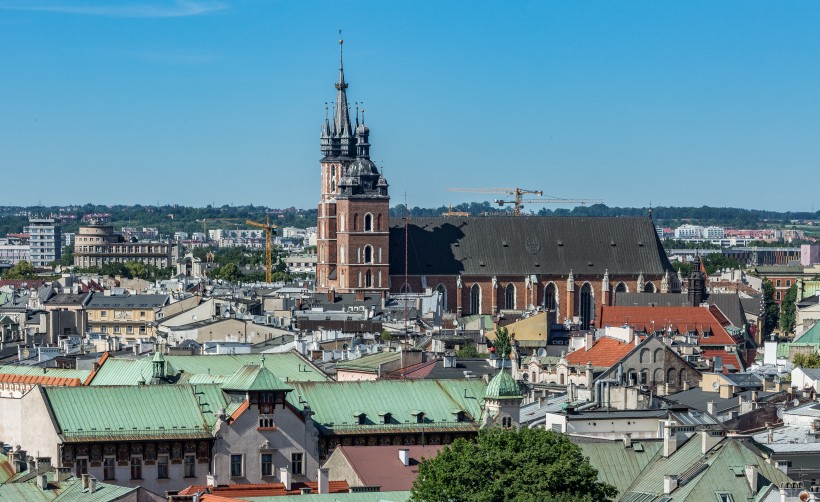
(550,300)
(368,222)
(587,306)
(443,292)
(620,288)
(368,254)
(368,279)
(475,299)
(509,297)
(649,288)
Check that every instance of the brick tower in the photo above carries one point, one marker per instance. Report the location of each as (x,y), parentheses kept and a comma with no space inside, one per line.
(353,241)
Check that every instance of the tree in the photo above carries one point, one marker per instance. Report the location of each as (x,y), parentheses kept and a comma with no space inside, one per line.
(385,336)
(502,343)
(771,311)
(788,310)
(507,464)
(468,351)
(21,270)
(811,360)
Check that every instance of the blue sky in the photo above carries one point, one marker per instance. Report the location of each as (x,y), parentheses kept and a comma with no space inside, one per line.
(198,102)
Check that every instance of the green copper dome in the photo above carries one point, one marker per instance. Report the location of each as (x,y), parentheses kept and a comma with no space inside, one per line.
(503,385)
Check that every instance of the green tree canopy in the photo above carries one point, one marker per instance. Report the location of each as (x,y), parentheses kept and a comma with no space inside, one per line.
(506,464)
(502,343)
(771,311)
(788,310)
(467,351)
(811,360)
(21,270)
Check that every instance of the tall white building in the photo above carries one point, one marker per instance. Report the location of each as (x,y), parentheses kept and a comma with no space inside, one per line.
(44,241)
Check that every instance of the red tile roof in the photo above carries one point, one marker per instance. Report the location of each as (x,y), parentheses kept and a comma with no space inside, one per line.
(414,371)
(22,283)
(728,358)
(48,381)
(681,319)
(264,489)
(380,465)
(604,353)
(97,367)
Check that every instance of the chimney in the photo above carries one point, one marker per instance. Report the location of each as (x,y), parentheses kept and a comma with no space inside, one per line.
(685,385)
(627,440)
(751,476)
(43,464)
(92,484)
(304,490)
(284,477)
(62,473)
(710,407)
(84,478)
(331,296)
(589,374)
(589,340)
(324,475)
(404,456)
(32,464)
(708,440)
(42,481)
(670,483)
(670,440)
(359,295)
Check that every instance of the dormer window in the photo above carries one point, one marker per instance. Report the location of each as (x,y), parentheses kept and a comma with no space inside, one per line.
(419,416)
(387,417)
(361,417)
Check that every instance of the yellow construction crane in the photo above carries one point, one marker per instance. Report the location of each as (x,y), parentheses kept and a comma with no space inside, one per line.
(519,201)
(270,230)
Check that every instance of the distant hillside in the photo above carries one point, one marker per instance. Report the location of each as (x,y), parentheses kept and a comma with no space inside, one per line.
(173,218)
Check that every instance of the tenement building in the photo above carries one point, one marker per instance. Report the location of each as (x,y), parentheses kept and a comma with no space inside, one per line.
(96,245)
(482,265)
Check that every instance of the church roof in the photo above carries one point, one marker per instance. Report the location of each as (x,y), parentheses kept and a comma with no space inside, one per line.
(253,378)
(501,386)
(526,245)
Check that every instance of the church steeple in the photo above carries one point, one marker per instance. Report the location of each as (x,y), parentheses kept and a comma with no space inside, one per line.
(341,118)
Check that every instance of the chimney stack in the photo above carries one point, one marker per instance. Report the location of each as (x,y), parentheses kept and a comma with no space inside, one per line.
(627,440)
(589,340)
(84,478)
(42,481)
(710,407)
(751,476)
(670,440)
(92,484)
(708,440)
(62,473)
(324,475)
(670,483)
(404,456)
(284,477)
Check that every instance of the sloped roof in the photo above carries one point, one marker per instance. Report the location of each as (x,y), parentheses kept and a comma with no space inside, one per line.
(287,366)
(242,491)
(145,411)
(371,362)
(604,353)
(46,376)
(726,358)
(101,301)
(503,385)
(718,472)
(811,335)
(337,404)
(69,490)
(254,378)
(381,466)
(527,245)
(681,319)
(618,465)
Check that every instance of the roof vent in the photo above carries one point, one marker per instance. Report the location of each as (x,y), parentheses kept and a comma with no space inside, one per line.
(481,263)
(505,244)
(589,263)
(612,243)
(640,243)
(560,242)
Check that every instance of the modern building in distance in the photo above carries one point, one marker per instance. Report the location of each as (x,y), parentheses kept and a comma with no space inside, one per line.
(44,241)
(13,251)
(96,245)
(127,316)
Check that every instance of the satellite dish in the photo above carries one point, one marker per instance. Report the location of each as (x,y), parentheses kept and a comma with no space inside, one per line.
(542,352)
(796,402)
(780,413)
(715,385)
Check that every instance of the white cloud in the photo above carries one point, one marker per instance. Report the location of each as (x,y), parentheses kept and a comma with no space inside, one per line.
(159,9)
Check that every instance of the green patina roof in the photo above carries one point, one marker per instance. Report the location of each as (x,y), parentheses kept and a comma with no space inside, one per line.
(337,497)
(811,335)
(334,403)
(253,378)
(783,348)
(719,474)
(69,490)
(145,411)
(6,470)
(288,366)
(503,385)
(369,362)
(618,465)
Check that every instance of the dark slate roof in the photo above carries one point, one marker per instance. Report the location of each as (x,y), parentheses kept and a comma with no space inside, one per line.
(67,299)
(509,245)
(130,301)
(751,305)
(729,303)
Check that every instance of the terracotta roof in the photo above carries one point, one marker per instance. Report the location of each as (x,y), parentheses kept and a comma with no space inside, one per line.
(22,283)
(380,465)
(728,358)
(265,489)
(604,353)
(239,411)
(681,319)
(418,370)
(48,381)
(99,364)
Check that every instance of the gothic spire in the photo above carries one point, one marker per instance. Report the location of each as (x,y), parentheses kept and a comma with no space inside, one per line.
(342,116)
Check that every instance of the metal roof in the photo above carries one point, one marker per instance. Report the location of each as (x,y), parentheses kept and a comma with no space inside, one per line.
(369,362)
(334,403)
(789,439)
(69,490)
(100,301)
(145,411)
(617,464)
(37,371)
(254,378)
(527,245)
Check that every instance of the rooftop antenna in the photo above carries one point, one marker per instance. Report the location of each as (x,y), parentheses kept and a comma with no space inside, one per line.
(406,257)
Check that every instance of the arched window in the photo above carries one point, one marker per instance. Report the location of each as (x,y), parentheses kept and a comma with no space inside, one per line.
(341,222)
(475,299)
(657,376)
(341,254)
(649,288)
(355,221)
(443,292)
(380,278)
(644,376)
(657,357)
(379,222)
(368,279)
(332,178)
(620,288)
(587,306)
(643,357)
(509,297)
(670,376)
(550,297)
(368,222)
(368,254)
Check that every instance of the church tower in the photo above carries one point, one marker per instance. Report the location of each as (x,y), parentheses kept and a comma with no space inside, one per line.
(353,231)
